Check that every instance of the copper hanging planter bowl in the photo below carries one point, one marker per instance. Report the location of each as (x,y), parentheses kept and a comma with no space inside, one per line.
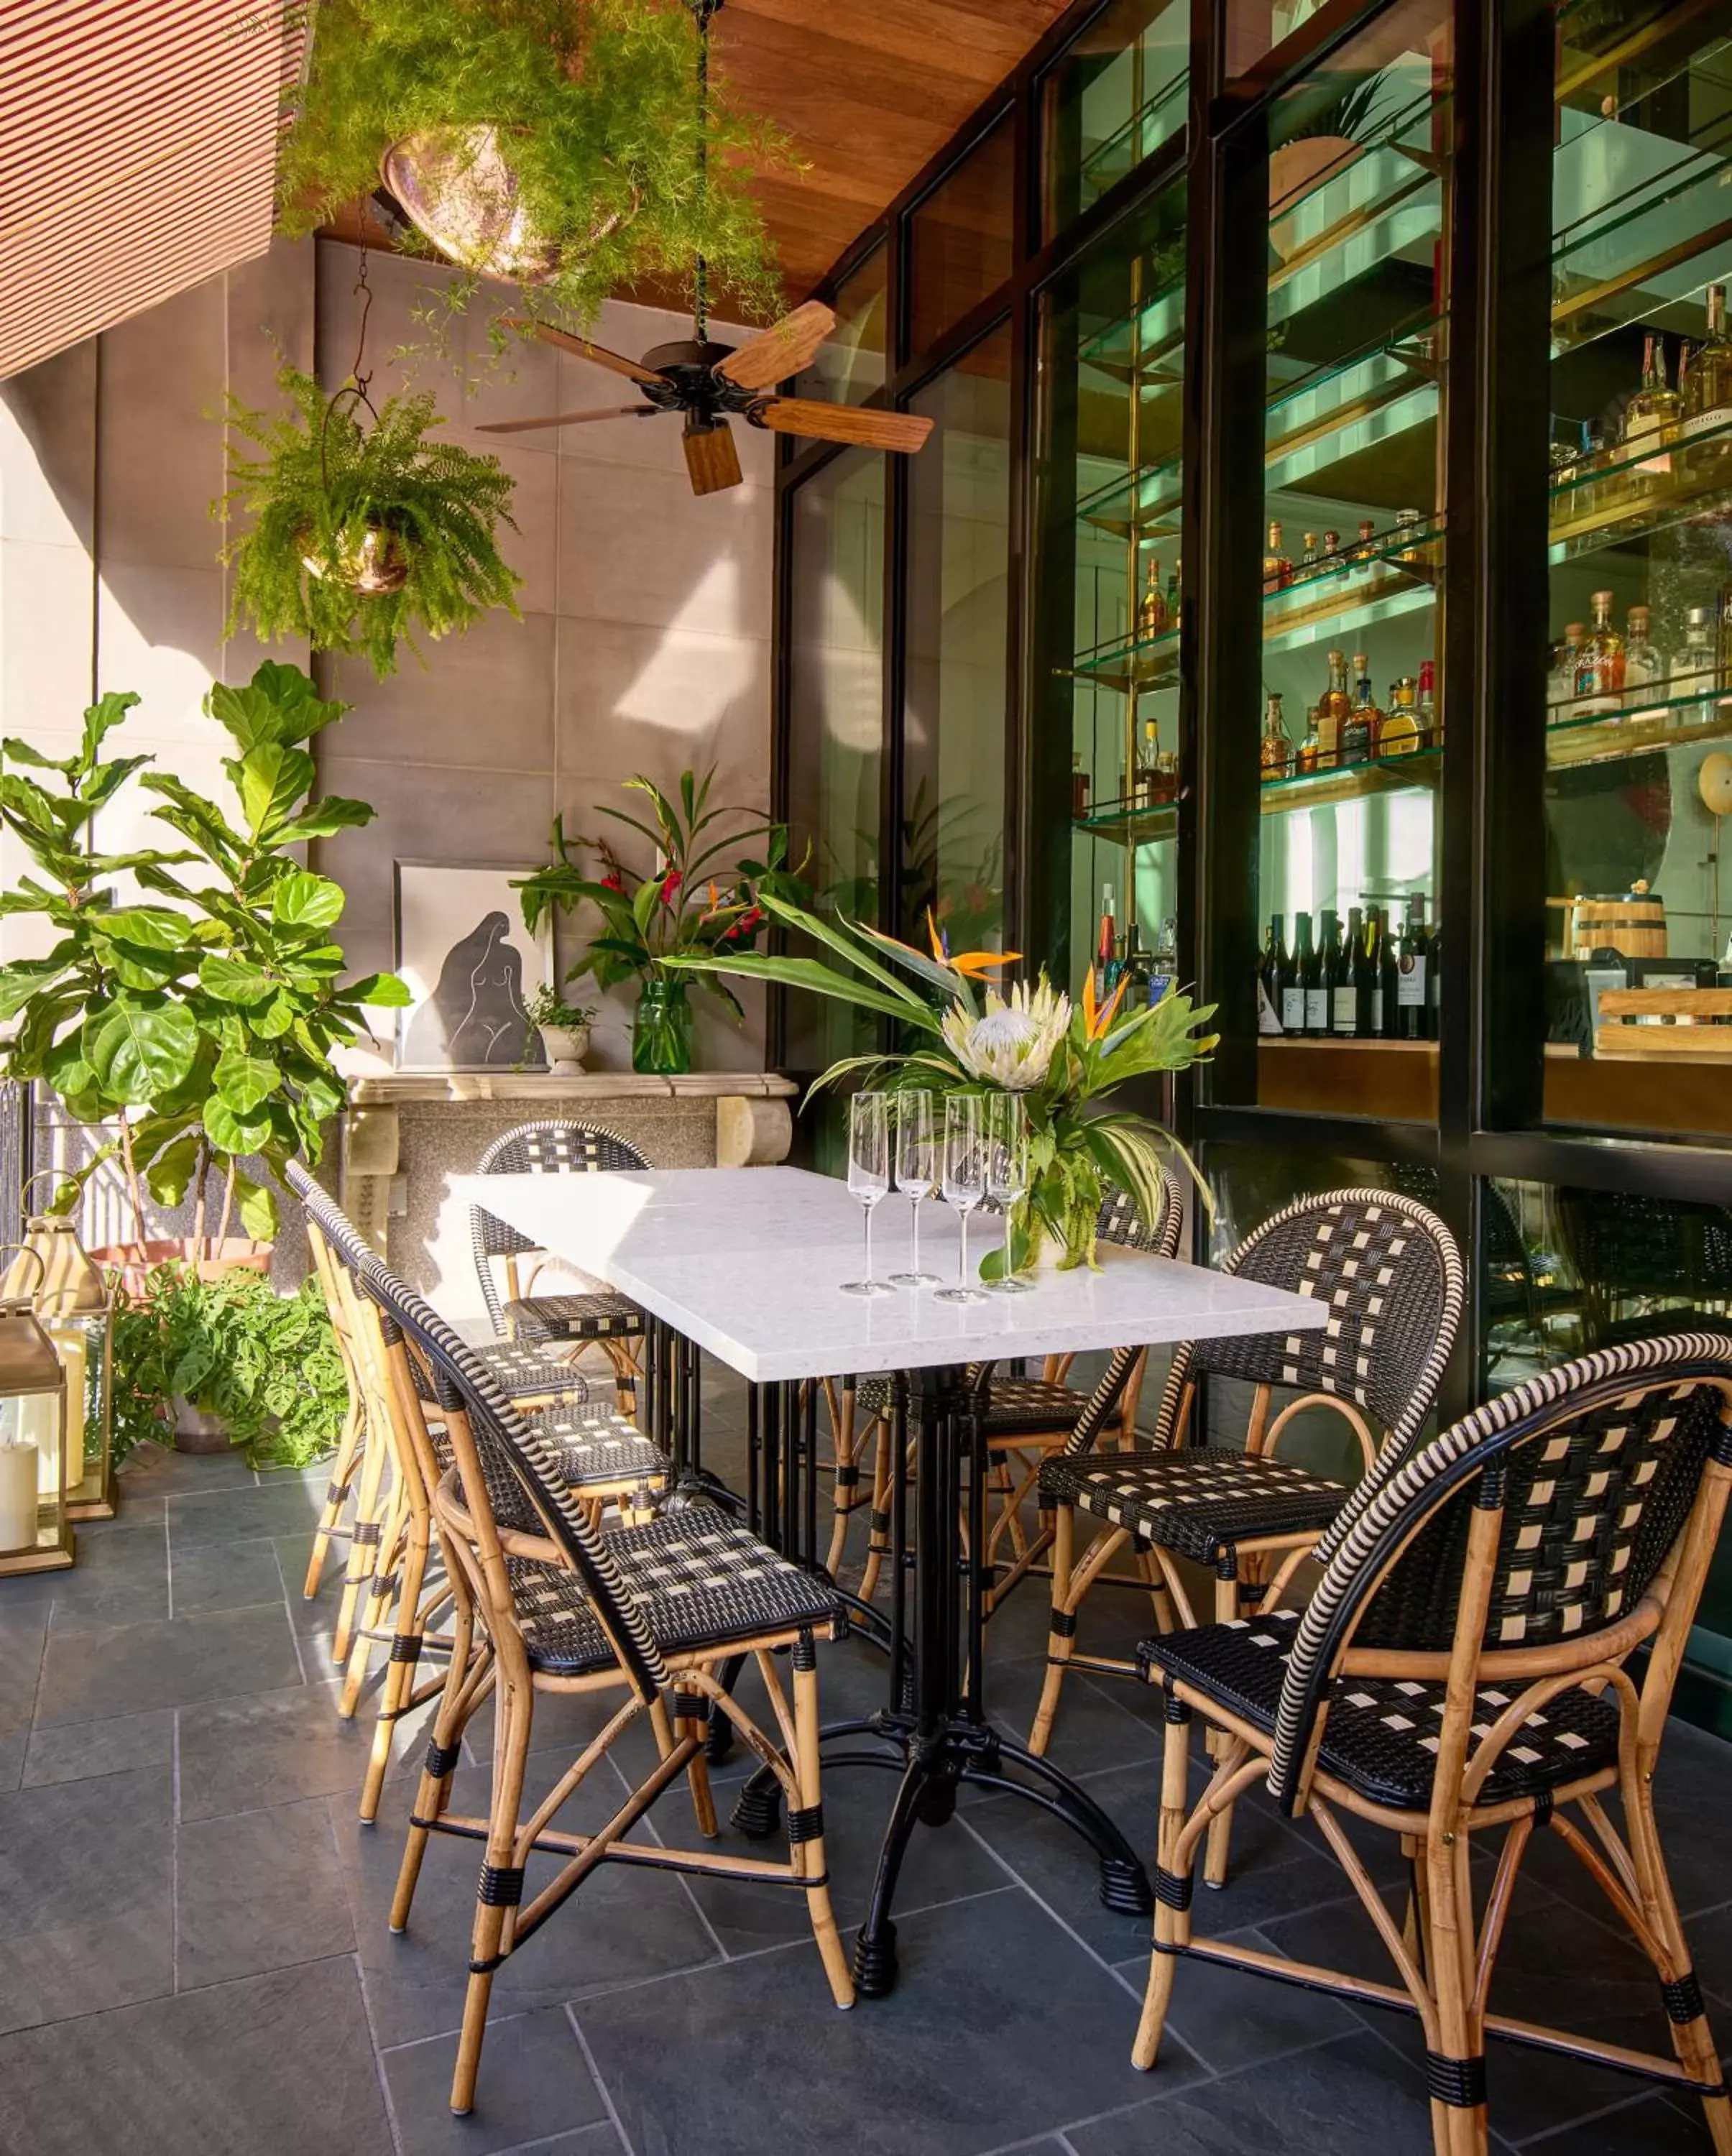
(378,564)
(457,187)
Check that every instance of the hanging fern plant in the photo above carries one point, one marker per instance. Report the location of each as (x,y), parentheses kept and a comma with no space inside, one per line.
(578,122)
(360,535)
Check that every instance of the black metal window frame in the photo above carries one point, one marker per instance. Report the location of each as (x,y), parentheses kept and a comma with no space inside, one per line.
(1491,1049)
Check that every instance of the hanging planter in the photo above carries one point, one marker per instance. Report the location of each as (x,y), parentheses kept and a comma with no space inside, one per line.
(548,146)
(361,535)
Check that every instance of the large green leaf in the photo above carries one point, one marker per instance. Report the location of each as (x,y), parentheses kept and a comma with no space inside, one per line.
(102,717)
(822,980)
(235,980)
(20,751)
(169,1176)
(380,992)
(141,1050)
(279,704)
(324,819)
(303,900)
(257,1208)
(244,1081)
(270,780)
(157,928)
(232,1133)
(26,977)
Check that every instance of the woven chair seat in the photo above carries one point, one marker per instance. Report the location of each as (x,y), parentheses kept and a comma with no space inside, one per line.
(520,1372)
(597,1314)
(698,1579)
(1020,1407)
(1201,1501)
(1381,1738)
(601,1446)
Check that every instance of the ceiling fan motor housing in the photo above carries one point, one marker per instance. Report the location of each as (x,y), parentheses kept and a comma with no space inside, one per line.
(692,385)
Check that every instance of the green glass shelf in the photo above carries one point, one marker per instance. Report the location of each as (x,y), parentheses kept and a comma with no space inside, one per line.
(1161,117)
(1131,662)
(1333,413)
(1129,824)
(1658,484)
(1621,260)
(1606,737)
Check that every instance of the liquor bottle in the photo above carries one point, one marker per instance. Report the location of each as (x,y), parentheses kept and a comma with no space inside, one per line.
(1431,715)
(1309,558)
(1644,668)
(1320,1000)
(1152,611)
(1365,547)
(1710,392)
(1164,964)
(1269,973)
(1410,998)
(1277,568)
(1332,549)
(1106,961)
(1275,754)
(1148,765)
(1692,672)
(1079,785)
(1651,416)
(1560,681)
(1389,978)
(1136,971)
(1401,732)
(1175,606)
(1368,978)
(1407,522)
(1308,755)
(1316,1011)
(1359,730)
(1434,981)
(1333,709)
(1600,663)
(1344,1006)
(1291,1001)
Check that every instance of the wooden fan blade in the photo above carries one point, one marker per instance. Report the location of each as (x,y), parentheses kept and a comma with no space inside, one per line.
(584,350)
(569,419)
(784,349)
(905,431)
(711,457)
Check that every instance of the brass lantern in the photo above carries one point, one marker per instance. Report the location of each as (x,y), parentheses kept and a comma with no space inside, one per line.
(77,1313)
(35,1534)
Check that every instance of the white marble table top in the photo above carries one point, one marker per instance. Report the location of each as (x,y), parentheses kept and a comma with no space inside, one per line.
(748,1262)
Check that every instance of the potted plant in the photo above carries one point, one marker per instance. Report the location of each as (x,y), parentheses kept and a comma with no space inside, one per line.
(209,1363)
(198,1019)
(565,151)
(563,1027)
(360,535)
(651,919)
(1064,1061)
(1316,146)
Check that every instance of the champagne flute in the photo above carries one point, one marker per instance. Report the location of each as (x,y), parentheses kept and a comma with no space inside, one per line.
(868,1175)
(916,1173)
(964,1184)
(1007,1173)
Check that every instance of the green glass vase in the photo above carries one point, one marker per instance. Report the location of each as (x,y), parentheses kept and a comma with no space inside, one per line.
(662,1031)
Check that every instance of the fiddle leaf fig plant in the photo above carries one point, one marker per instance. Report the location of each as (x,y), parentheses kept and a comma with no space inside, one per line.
(200,1017)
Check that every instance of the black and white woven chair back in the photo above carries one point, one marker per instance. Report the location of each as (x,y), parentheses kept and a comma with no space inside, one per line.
(540,1149)
(1595,1464)
(1388,1272)
(1121,1223)
(516,1457)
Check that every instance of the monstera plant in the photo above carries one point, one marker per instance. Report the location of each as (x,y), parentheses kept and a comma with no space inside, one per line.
(194,994)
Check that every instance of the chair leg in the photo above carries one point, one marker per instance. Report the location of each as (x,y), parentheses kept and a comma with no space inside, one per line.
(846,1479)
(405,1661)
(1220,1827)
(1172,1924)
(1691,2039)
(387,1560)
(1457,2128)
(462,1694)
(696,1724)
(1062,1630)
(364,1540)
(810,1852)
(337,1497)
(878,1539)
(498,1892)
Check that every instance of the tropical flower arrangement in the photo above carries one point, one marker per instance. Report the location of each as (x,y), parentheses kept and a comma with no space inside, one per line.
(652,921)
(1063,1060)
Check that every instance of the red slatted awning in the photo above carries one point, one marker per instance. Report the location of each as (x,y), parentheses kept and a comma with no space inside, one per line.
(137,155)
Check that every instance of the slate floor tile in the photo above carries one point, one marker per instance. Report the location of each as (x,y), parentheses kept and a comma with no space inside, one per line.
(172,1662)
(533,2077)
(1652,2125)
(115,1746)
(288,1507)
(279,2062)
(224,1576)
(624,1925)
(1229,2026)
(85,1901)
(157,1470)
(121,1578)
(269,1747)
(12,1760)
(24,1633)
(259,1890)
(1001,2028)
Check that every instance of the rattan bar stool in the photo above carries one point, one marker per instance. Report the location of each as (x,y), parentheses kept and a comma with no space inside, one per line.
(602,1459)
(652,1614)
(1462,1667)
(1027,1418)
(1388,1268)
(597,1313)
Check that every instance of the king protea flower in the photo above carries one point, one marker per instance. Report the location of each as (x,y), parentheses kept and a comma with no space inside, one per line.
(1013,1045)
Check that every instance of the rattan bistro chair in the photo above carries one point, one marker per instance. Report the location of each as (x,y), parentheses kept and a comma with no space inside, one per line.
(1462,1667)
(1026,1419)
(652,1614)
(1388,1270)
(602,1460)
(596,1313)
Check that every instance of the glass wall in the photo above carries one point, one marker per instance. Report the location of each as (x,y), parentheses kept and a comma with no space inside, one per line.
(956,664)
(849,365)
(961,237)
(1638,710)
(835,635)
(1109,102)
(1349,751)
(1109,598)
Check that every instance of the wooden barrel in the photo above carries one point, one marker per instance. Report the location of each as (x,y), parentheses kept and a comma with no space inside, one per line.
(1632,924)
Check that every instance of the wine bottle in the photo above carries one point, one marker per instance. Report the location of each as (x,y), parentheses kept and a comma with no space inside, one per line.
(1344,1009)
(1389,977)
(1320,1002)
(1313,1015)
(1368,978)
(1290,1001)
(1410,995)
(1434,982)
(1269,979)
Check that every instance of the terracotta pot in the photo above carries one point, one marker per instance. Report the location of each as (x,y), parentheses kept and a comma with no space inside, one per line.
(135,1261)
(1294,168)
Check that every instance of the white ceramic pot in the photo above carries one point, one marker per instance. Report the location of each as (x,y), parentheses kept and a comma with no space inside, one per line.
(566,1045)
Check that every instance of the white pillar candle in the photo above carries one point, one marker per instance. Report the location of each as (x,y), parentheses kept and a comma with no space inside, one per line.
(17,1497)
(39,1427)
(72,1349)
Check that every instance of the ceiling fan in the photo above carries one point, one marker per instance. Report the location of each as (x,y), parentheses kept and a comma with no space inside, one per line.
(710,382)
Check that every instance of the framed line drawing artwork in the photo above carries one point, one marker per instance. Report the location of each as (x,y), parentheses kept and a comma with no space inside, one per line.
(470,965)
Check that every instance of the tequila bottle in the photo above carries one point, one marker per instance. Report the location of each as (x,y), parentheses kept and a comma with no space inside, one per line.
(1359,730)
(1710,390)
(1275,755)
(1651,416)
(1332,549)
(1365,546)
(1407,530)
(1600,663)
(1644,668)
(1401,731)
(1278,567)
(1308,755)
(1333,708)
(1148,765)
(1693,669)
(1152,608)
(1560,682)
(1308,560)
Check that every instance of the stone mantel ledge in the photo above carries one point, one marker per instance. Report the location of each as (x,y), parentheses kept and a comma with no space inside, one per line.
(400,1088)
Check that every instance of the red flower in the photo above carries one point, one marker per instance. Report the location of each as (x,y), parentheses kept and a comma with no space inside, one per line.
(749,920)
(670,884)
(614,882)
